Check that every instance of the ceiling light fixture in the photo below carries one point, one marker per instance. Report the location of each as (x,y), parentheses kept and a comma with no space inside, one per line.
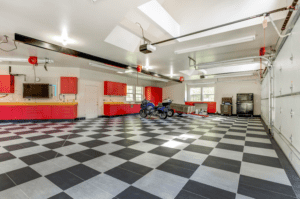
(64,39)
(107,67)
(225,63)
(215,45)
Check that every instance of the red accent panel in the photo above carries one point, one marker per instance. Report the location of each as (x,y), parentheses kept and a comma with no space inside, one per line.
(7,84)
(42,112)
(115,88)
(211,106)
(121,109)
(68,85)
(153,94)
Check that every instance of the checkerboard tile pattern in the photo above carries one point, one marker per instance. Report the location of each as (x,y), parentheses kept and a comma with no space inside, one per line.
(129,157)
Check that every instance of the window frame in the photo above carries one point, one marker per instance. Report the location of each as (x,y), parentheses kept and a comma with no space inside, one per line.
(202,93)
(135,94)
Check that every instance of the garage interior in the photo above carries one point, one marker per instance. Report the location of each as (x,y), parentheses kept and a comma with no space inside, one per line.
(136,99)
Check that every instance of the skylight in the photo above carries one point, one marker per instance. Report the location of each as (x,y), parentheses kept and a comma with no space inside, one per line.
(161,17)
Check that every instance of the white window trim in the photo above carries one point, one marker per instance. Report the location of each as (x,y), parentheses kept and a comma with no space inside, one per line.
(134,93)
(201,95)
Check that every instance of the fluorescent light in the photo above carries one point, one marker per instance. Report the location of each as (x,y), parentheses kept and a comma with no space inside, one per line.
(161,17)
(219,44)
(11,59)
(233,75)
(225,63)
(201,83)
(64,39)
(107,67)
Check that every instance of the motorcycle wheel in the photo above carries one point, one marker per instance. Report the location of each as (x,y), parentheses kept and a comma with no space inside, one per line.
(143,113)
(163,115)
(170,113)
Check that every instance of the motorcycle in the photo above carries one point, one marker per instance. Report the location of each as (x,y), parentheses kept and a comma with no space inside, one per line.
(148,108)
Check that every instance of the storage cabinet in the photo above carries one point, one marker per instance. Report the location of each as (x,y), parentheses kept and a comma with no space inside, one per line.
(115,88)
(153,94)
(121,109)
(7,84)
(68,85)
(211,106)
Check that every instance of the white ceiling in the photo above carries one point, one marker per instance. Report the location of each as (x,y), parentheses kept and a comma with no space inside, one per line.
(103,29)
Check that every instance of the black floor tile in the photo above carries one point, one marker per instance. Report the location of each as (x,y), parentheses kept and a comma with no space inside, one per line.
(198,149)
(257,193)
(39,137)
(78,131)
(99,135)
(84,172)
(207,191)
(257,136)
(80,157)
(185,140)
(64,179)
(252,129)
(61,195)
(223,163)
(5,182)
(13,147)
(237,131)
(137,168)
(126,142)
(50,154)
(178,167)
(164,151)
(266,185)
(217,131)
(124,175)
(70,136)
(183,194)
(263,160)
(156,141)
(93,143)
(59,144)
(23,175)
(210,138)
(231,147)
(6,156)
(239,126)
(25,132)
(174,133)
(235,137)
(197,132)
(10,138)
(92,153)
(135,193)
(150,134)
(125,135)
(32,159)
(101,130)
(259,145)
(127,153)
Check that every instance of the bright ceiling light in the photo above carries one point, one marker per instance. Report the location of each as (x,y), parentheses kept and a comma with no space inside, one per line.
(215,45)
(225,63)
(107,67)
(190,72)
(64,39)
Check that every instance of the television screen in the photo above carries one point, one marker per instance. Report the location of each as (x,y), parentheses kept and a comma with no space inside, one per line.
(35,90)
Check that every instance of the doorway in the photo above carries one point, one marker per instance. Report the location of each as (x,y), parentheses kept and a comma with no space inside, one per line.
(91,102)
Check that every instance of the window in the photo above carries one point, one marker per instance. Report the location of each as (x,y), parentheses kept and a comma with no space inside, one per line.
(208,94)
(134,93)
(129,96)
(138,93)
(195,94)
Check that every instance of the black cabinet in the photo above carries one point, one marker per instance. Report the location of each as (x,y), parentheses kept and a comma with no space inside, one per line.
(245,104)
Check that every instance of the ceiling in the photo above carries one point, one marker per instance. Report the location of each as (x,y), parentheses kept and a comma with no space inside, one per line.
(108,29)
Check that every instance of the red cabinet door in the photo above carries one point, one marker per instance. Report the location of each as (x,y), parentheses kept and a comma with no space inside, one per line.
(64,85)
(64,112)
(7,84)
(68,85)
(73,85)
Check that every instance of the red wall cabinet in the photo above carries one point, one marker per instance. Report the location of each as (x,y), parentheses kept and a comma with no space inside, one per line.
(68,85)
(153,94)
(7,84)
(121,109)
(115,88)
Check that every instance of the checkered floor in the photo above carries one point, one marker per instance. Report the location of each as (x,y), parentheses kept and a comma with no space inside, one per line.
(129,157)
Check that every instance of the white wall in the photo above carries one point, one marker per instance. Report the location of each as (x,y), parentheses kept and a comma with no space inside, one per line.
(228,87)
(85,78)
(286,112)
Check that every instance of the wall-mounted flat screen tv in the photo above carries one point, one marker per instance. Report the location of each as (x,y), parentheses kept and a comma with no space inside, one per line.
(35,90)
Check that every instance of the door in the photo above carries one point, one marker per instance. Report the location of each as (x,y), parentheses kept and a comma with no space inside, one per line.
(91,101)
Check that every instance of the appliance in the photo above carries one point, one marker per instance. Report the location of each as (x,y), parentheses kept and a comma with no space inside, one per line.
(147,48)
(107,67)
(36,91)
(245,104)
(215,45)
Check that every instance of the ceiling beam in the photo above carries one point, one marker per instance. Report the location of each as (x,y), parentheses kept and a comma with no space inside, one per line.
(67,51)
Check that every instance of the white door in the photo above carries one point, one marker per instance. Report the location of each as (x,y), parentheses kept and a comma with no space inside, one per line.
(91,101)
